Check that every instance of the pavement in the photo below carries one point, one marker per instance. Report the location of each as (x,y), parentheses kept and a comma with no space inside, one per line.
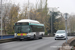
(47,43)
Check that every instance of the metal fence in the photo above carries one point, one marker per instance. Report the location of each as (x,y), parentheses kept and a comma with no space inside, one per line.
(7,36)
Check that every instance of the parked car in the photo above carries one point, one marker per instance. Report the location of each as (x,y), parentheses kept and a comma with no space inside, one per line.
(60,34)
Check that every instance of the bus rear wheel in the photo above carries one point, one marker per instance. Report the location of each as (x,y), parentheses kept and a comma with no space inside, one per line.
(41,37)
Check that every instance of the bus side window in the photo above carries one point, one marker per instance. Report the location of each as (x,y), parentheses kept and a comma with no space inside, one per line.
(30,28)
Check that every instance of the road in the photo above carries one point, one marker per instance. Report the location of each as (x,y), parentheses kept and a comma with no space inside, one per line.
(47,43)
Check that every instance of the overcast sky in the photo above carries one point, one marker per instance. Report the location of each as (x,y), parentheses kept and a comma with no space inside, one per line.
(64,5)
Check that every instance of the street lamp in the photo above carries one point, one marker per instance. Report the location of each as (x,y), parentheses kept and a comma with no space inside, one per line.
(28,9)
(51,22)
(66,16)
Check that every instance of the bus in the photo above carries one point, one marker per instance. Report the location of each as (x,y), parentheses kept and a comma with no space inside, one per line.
(28,29)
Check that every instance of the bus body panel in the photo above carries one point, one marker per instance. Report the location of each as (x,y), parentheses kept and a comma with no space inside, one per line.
(29,35)
(34,29)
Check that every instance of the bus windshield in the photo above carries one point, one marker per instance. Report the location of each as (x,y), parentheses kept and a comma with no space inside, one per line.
(22,29)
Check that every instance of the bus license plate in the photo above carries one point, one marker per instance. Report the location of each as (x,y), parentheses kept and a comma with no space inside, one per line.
(21,38)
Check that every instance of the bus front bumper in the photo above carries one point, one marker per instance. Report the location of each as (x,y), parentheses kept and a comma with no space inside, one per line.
(24,37)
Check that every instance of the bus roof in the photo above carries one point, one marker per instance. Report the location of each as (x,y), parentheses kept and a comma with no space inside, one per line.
(28,20)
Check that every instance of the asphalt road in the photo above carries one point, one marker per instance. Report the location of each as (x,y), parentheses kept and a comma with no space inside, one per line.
(47,43)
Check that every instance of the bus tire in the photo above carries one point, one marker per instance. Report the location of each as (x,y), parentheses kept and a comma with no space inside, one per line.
(41,36)
(20,39)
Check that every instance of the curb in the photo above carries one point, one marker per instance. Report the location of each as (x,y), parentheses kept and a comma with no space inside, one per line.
(66,46)
(6,40)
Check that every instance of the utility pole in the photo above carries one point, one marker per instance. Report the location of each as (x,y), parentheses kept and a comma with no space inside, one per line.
(66,29)
(51,24)
(66,16)
(51,21)
(36,9)
(1,19)
(28,9)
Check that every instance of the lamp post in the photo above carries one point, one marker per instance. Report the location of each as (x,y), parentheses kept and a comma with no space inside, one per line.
(66,16)
(28,9)
(51,22)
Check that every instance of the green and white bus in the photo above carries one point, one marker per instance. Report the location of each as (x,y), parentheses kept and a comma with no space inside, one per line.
(28,29)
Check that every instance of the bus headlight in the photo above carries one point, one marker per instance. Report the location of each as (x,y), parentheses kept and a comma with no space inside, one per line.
(29,34)
(15,34)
